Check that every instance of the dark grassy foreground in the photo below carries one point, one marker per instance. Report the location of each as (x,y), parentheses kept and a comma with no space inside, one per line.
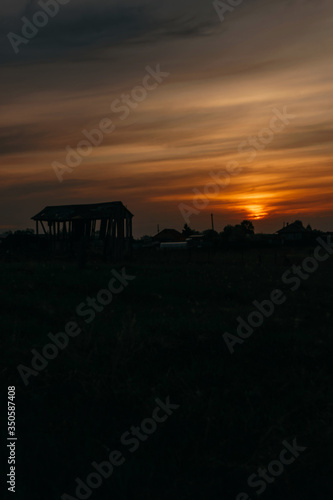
(162,337)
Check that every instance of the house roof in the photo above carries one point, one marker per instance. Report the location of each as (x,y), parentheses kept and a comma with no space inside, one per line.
(93,211)
(294,227)
(169,235)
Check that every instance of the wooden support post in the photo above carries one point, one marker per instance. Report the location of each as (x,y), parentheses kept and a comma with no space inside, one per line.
(108,237)
(131,235)
(54,236)
(88,226)
(110,227)
(128,238)
(114,237)
(45,232)
(70,235)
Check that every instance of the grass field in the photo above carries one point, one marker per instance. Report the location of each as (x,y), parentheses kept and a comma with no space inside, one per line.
(163,336)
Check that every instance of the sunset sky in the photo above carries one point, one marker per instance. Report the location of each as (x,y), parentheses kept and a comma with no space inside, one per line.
(225,81)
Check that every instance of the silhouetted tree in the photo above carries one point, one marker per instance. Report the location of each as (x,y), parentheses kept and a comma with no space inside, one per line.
(227,231)
(210,234)
(247,226)
(239,232)
(187,231)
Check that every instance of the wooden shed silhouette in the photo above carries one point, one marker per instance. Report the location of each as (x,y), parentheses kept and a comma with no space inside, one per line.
(76,227)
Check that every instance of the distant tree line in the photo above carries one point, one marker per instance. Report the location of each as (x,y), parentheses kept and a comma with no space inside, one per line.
(237,232)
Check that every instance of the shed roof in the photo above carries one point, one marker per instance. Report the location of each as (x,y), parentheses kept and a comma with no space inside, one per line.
(93,211)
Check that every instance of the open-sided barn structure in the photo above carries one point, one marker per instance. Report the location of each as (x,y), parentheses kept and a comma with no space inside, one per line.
(73,227)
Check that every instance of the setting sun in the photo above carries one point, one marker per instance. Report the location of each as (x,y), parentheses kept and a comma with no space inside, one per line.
(256,212)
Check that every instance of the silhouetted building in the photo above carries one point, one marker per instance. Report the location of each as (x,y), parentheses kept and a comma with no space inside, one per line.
(293,232)
(169,236)
(80,227)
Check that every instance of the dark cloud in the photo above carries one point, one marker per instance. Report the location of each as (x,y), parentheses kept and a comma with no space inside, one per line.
(82,26)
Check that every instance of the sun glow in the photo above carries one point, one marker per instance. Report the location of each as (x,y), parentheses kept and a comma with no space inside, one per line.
(256,212)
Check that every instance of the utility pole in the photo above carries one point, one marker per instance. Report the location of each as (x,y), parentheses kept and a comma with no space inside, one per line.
(158,229)
(212,217)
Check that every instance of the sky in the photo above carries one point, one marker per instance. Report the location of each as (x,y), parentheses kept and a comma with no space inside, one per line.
(245,90)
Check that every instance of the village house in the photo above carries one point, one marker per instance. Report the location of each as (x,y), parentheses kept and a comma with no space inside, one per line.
(294,232)
(169,236)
